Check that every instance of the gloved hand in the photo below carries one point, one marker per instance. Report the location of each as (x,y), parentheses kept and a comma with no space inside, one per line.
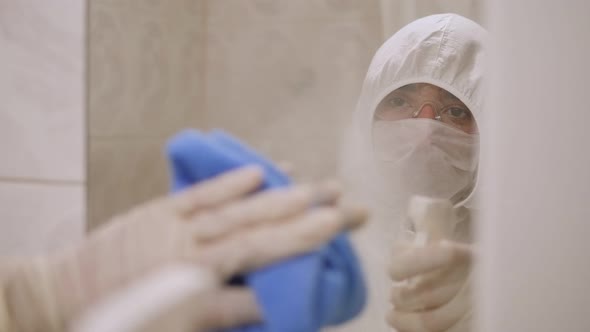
(431,291)
(217,225)
(431,272)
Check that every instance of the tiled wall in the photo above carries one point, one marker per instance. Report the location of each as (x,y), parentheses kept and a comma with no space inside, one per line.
(146,82)
(42,130)
(282,75)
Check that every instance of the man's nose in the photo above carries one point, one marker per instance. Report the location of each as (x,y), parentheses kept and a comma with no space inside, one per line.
(426,112)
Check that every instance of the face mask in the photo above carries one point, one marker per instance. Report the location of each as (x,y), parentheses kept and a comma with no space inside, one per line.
(424,157)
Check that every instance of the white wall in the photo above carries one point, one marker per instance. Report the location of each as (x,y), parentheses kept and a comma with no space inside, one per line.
(42,131)
(536,225)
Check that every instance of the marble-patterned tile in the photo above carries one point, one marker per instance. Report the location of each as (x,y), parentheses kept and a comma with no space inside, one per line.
(395,14)
(37,217)
(123,173)
(289,89)
(144,66)
(240,11)
(469,8)
(42,88)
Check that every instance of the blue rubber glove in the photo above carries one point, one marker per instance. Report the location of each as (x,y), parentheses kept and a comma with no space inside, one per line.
(302,294)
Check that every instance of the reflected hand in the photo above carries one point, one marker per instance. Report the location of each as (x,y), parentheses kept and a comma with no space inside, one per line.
(431,289)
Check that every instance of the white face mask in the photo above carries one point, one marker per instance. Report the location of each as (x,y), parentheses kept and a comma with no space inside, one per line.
(424,157)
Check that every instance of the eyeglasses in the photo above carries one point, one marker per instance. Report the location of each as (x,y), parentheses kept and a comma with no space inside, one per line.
(396,107)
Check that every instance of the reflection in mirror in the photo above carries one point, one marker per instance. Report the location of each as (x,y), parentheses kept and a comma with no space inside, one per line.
(284,77)
(416,134)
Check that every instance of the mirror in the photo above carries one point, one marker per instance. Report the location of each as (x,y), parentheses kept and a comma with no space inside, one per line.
(284,76)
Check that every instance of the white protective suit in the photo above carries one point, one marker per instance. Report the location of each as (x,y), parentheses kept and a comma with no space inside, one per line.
(385,161)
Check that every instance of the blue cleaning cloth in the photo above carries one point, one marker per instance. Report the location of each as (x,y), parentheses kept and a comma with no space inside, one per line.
(301,294)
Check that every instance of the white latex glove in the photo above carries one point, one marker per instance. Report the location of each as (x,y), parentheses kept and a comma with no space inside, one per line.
(176,298)
(216,225)
(431,289)
(431,274)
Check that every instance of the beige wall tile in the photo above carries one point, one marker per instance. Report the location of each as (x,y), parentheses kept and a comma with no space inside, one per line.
(286,85)
(290,88)
(36,217)
(468,8)
(397,13)
(42,89)
(123,173)
(278,11)
(145,60)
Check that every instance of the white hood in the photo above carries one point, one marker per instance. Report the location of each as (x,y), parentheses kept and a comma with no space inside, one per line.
(445,50)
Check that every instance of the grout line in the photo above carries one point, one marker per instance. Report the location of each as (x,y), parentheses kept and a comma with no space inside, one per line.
(87,114)
(130,137)
(205,59)
(47,182)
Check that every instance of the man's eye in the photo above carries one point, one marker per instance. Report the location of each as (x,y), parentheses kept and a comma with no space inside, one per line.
(397,102)
(459,113)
